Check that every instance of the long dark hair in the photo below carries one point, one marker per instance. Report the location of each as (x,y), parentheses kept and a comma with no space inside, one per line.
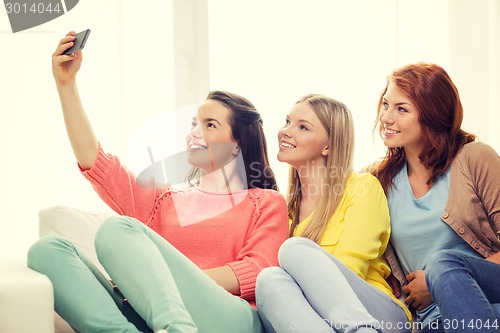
(247,130)
(440,114)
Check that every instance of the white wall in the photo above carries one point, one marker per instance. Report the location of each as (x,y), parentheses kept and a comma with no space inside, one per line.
(37,167)
(145,66)
(124,83)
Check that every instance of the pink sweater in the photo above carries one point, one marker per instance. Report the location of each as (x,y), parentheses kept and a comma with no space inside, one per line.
(202,225)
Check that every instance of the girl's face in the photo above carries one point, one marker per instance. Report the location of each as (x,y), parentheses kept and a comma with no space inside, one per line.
(399,117)
(303,140)
(210,144)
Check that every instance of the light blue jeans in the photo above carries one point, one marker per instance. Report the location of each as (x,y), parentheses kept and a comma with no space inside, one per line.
(467,291)
(313,292)
(163,286)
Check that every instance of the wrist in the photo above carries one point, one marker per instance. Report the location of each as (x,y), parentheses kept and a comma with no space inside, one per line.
(63,85)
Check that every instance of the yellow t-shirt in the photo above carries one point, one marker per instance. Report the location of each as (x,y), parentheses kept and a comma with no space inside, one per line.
(359,230)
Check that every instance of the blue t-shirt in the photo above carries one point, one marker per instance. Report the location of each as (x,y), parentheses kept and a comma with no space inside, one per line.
(417,228)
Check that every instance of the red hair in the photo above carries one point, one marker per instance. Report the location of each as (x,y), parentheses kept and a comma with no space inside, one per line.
(436,98)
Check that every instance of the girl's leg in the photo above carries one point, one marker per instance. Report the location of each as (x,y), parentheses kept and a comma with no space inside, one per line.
(80,298)
(283,307)
(167,289)
(343,299)
(464,287)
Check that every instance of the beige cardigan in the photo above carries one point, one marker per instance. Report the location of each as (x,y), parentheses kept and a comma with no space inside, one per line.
(473,206)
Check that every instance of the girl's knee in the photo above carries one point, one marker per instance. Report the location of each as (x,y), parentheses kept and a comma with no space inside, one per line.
(440,262)
(110,224)
(267,282)
(112,231)
(110,228)
(443,257)
(293,247)
(107,231)
(268,276)
(45,248)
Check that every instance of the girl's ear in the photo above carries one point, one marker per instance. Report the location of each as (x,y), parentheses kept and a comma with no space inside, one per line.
(236,150)
(325,151)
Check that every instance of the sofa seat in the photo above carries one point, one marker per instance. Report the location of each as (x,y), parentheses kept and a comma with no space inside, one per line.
(26,299)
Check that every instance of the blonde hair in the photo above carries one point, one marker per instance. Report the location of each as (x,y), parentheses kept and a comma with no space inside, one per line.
(337,121)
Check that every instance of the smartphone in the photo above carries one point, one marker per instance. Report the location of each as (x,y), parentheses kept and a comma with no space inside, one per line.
(79,42)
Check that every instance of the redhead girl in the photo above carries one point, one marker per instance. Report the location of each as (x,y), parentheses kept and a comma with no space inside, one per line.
(444,200)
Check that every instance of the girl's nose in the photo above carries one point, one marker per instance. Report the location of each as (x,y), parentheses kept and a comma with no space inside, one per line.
(285,131)
(196,132)
(387,116)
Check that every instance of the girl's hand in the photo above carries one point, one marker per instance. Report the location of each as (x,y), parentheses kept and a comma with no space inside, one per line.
(65,67)
(419,296)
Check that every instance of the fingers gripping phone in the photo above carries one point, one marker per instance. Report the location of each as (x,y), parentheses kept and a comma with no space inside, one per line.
(79,42)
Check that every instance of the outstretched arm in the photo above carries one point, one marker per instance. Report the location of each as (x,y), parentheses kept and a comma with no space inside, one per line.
(80,132)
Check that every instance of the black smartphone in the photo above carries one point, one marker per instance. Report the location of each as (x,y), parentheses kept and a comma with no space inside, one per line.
(79,42)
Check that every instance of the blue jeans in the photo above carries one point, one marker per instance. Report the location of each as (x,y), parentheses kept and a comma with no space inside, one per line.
(467,291)
(314,292)
(163,286)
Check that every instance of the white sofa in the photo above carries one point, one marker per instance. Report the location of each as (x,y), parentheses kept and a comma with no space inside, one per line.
(24,291)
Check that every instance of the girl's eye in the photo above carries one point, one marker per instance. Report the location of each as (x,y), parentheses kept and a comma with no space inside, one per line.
(402,109)
(211,125)
(303,128)
(385,105)
(287,122)
(193,124)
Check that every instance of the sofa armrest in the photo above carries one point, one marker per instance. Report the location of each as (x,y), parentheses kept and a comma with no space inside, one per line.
(26,299)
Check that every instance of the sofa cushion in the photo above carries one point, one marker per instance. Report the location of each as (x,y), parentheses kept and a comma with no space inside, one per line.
(78,226)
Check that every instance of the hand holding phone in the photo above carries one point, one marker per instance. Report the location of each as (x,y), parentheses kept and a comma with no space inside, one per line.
(79,42)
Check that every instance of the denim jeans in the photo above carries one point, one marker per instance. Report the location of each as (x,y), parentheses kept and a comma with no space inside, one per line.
(163,286)
(467,291)
(314,292)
